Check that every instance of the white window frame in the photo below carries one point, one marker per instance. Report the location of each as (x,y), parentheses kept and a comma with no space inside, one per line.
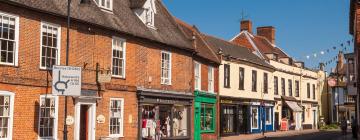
(252,117)
(122,117)
(58,43)
(98,3)
(170,68)
(124,55)
(16,47)
(11,117)
(197,79)
(211,80)
(55,130)
(268,112)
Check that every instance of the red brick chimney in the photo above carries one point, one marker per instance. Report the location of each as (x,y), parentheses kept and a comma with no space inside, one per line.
(268,32)
(246,25)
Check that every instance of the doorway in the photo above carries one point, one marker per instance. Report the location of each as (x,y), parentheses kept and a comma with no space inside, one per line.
(85,119)
(243,119)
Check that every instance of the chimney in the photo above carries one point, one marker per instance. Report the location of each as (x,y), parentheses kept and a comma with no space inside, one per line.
(268,32)
(246,25)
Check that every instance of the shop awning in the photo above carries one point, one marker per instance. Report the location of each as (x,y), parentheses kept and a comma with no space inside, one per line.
(294,106)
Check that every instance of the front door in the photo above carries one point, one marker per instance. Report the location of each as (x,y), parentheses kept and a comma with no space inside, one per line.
(242,115)
(277,121)
(84,122)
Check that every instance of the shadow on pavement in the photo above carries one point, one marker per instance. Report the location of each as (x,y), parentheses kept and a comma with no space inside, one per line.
(322,135)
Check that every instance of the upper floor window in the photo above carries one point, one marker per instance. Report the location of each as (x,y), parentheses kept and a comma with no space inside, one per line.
(276,85)
(50,45)
(150,18)
(118,57)
(116,117)
(227,76)
(265,83)
(211,79)
(308,90)
(297,89)
(6,114)
(254,81)
(48,117)
(106,4)
(197,76)
(165,68)
(283,86)
(313,91)
(290,87)
(9,32)
(241,78)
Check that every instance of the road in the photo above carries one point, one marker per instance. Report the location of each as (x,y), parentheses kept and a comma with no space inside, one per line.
(322,135)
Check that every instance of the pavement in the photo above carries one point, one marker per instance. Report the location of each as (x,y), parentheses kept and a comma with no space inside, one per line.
(295,135)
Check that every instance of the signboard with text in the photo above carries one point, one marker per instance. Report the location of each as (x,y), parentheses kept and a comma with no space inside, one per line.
(66,81)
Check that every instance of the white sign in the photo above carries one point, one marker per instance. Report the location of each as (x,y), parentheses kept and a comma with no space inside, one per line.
(100,119)
(69,120)
(66,81)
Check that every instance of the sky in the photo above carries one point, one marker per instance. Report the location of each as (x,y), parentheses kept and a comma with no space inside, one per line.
(303,27)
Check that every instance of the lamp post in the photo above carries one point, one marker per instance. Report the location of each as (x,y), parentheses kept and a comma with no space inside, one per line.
(337,90)
(67,63)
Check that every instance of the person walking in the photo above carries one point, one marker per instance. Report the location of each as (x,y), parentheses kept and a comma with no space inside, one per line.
(343,126)
(354,127)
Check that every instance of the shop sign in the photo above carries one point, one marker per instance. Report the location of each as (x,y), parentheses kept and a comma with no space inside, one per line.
(100,119)
(66,81)
(226,101)
(69,120)
(104,77)
(261,103)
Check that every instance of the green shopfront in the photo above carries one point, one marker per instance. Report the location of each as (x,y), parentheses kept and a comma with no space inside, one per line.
(205,115)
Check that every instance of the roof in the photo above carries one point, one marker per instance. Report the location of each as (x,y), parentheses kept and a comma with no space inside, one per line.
(137,3)
(235,51)
(122,19)
(202,48)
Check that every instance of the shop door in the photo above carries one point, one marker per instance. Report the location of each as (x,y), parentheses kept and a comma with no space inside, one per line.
(276,120)
(84,122)
(242,121)
(197,129)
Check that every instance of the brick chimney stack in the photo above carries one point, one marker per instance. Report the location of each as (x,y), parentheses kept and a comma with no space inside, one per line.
(246,25)
(268,32)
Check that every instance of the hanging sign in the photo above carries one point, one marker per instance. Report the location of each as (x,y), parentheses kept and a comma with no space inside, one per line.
(66,81)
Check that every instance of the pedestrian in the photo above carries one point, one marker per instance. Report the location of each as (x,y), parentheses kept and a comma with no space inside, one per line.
(343,126)
(354,127)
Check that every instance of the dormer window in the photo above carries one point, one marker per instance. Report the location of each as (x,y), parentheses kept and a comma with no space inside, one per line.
(105,4)
(146,11)
(149,18)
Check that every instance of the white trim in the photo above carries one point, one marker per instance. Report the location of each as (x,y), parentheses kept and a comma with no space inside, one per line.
(254,45)
(55,131)
(122,119)
(198,83)
(58,42)
(124,55)
(17,42)
(11,118)
(104,7)
(92,118)
(170,67)
(212,79)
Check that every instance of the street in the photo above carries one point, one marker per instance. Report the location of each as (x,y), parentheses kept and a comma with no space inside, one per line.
(295,135)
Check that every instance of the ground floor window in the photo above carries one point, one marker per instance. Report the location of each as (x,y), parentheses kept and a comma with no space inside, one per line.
(254,117)
(116,119)
(48,117)
(207,117)
(228,118)
(268,115)
(164,121)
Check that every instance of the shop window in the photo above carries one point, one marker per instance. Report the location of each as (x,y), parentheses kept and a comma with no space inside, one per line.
(118,57)
(116,119)
(276,82)
(254,81)
(268,115)
(290,87)
(207,117)
(48,117)
(164,121)
(228,119)
(165,68)
(254,117)
(241,78)
(297,90)
(50,45)
(197,76)
(265,83)
(8,39)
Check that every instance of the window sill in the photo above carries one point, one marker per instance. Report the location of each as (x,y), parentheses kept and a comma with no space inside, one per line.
(9,65)
(116,136)
(118,77)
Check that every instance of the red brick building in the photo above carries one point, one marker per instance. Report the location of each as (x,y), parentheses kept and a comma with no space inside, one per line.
(139,42)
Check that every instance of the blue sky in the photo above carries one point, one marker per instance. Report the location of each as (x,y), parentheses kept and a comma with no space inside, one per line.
(303,27)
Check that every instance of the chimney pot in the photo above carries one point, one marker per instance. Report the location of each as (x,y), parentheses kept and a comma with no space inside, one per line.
(246,25)
(268,32)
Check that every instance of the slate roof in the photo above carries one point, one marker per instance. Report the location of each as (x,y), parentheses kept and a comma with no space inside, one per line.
(121,19)
(202,48)
(235,51)
(137,3)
